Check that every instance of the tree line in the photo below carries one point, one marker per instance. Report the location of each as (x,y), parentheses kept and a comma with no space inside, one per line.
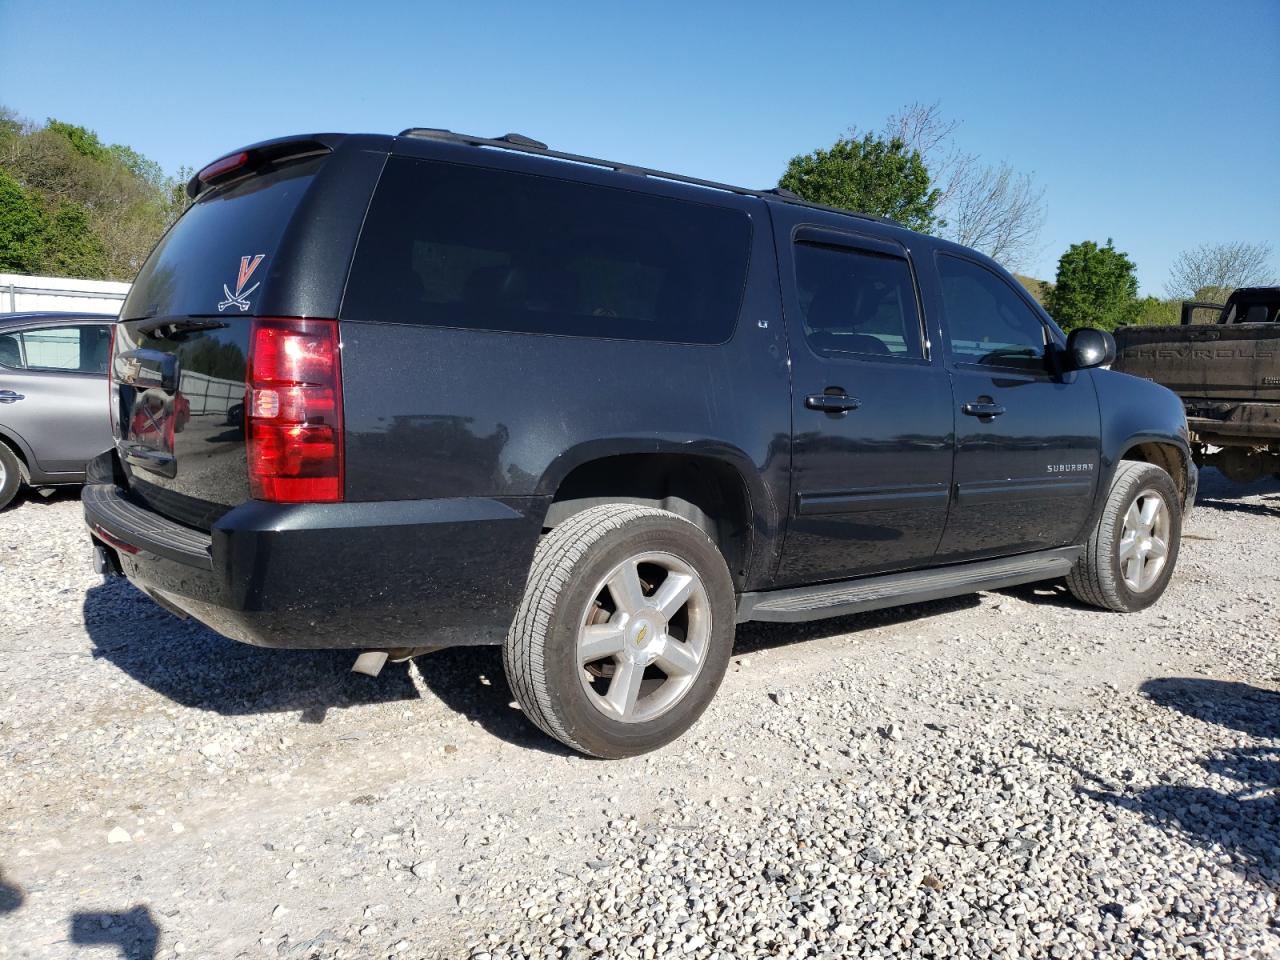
(912,171)
(73,206)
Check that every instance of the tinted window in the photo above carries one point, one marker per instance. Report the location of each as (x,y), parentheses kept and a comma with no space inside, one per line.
(461,246)
(986,321)
(857,303)
(75,349)
(11,350)
(201,255)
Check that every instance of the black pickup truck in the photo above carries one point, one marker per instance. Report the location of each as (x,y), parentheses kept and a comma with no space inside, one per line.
(1227,373)
(396,393)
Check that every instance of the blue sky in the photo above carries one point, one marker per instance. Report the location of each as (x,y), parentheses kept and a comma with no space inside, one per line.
(1157,124)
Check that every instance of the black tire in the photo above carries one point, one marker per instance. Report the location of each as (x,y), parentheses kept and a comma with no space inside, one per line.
(541,655)
(1096,578)
(11,468)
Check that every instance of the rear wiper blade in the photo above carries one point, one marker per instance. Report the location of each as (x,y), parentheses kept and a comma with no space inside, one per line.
(168,328)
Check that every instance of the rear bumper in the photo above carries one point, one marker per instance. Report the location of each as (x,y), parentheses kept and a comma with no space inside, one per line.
(345,575)
(1231,423)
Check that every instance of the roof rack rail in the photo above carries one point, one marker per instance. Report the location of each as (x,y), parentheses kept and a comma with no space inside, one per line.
(521,143)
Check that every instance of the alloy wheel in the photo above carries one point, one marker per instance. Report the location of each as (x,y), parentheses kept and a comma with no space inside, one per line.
(1143,549)
(643,638)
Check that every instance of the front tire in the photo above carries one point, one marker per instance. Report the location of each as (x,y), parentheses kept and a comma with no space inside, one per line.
(10,475)
(624,632)
(1130,556)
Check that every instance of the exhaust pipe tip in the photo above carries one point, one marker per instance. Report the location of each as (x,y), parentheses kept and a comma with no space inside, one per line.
(370,663)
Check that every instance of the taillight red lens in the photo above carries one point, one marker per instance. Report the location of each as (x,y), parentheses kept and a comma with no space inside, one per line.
(293,411)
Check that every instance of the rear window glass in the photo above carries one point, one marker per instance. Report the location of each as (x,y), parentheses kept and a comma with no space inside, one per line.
(458,246)
(216,258)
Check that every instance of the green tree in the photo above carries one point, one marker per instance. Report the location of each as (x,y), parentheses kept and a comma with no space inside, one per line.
(71,248)
(872,175)
(1212,293)
(22,228)
(1096,287)
(101,207)
(1154,312)
(84,142)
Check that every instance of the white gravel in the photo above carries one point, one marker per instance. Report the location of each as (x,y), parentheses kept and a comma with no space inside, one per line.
(1009,775)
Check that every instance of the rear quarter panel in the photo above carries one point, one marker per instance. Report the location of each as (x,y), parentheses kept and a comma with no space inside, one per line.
(434,412)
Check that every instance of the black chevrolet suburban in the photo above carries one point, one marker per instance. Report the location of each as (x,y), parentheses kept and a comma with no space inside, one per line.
(398,393)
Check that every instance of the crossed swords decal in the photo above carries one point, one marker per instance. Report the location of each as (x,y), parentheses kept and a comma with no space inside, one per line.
(241,297)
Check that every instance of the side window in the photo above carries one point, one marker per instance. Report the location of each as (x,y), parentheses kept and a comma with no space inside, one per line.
(987,322)
(460,246)
(73,349)
(857,303)
(11,350)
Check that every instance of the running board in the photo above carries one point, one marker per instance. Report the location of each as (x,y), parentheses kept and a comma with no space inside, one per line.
(916,586)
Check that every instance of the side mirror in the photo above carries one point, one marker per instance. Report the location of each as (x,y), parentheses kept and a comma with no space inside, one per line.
(1087,347)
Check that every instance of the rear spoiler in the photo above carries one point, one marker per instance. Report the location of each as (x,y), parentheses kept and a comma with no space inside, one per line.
(254,159)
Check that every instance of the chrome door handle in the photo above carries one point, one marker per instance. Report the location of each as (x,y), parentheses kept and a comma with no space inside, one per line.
(983,410)
(832,403)
(8,396)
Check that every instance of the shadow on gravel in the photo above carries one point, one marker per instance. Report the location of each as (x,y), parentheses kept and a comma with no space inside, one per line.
(471,681)
(34,500)
(1241,820)
(1218,492)
(197,668)
(1270,507)
(755,636)
(11,895)
(193,666)
(133,932)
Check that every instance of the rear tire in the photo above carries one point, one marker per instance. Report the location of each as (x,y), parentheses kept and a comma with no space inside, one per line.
(1131,554)
(624,632)
(10,475)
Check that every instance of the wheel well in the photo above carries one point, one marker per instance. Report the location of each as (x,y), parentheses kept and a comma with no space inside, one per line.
(23,467)
(703,490)
(1167,457)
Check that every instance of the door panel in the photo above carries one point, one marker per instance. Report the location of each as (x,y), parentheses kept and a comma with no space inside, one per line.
(1025,479)
(62,413)
(1027,438)
(871,414)
(869,487)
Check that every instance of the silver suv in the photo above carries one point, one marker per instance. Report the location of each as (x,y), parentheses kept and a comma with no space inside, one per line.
(53,392)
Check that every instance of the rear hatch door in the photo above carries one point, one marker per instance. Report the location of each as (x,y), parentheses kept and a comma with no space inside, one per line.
(179,362)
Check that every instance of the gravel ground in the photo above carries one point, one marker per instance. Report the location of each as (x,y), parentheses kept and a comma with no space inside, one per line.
(1005,775)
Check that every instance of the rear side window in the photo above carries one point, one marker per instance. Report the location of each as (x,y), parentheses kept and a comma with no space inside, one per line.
(215,259)
(458,246)
(856,302)
(73,349)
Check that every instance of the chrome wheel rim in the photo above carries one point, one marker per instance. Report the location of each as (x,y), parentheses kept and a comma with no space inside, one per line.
(1143,549)
(643,638)
(4,475)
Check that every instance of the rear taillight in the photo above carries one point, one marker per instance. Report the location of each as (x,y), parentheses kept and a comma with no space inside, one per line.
(293,411)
